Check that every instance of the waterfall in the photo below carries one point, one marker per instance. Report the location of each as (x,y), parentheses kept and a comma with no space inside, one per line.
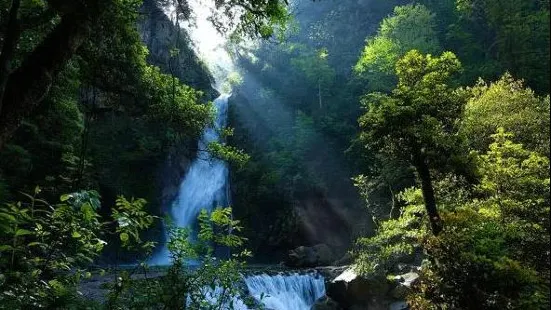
(286,292)
(205,185)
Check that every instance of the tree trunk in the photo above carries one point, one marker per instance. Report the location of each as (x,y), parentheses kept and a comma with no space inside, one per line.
(319,93)
(428,194)
(30,83)
(8,48)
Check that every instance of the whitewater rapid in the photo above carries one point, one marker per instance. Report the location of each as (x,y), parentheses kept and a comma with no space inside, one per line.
(286,292)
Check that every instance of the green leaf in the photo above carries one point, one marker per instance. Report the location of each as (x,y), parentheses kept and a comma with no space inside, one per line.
(23,232)
(7,216)
(124,237)
(123,221)
(5,248)
(76,234)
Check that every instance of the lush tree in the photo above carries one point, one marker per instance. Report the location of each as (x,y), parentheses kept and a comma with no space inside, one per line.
(515,33)
(417,122)
(495,246)
(316,70)
(493,251)
(409,27)
(509,104)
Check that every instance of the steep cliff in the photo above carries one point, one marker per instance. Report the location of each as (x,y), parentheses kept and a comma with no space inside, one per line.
(170,48)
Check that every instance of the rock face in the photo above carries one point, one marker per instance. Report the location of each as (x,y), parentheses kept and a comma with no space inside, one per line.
(346,259)
(317,255)
(326,303)
(398,305)
(404,283)
(354,292)
(161,35)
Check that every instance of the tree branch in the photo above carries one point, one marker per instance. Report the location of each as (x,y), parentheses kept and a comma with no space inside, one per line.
(27,86)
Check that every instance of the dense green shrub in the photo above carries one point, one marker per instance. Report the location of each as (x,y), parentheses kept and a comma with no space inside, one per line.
(45,249)
(493,251)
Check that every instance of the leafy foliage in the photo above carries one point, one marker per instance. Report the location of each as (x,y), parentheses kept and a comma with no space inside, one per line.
(497,242)
(397,240)
(410,27)
(509,104)
(421,112)
(214,284)
(493,250)
(45,249)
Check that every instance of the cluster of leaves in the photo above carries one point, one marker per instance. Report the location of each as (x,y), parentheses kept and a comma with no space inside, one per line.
(410,27)
(228,153)
(45,249)
(397,240)
(506,103)
(240,18)
(196,279)
(132,218)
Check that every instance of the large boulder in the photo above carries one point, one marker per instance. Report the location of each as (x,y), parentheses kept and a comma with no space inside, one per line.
(331,272)
(326,303)
(352,291)
(404,283)
(317,255)
(346,259)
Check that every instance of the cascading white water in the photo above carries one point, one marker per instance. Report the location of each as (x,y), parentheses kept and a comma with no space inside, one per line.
(286,292)
(205,184)
(277,292)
